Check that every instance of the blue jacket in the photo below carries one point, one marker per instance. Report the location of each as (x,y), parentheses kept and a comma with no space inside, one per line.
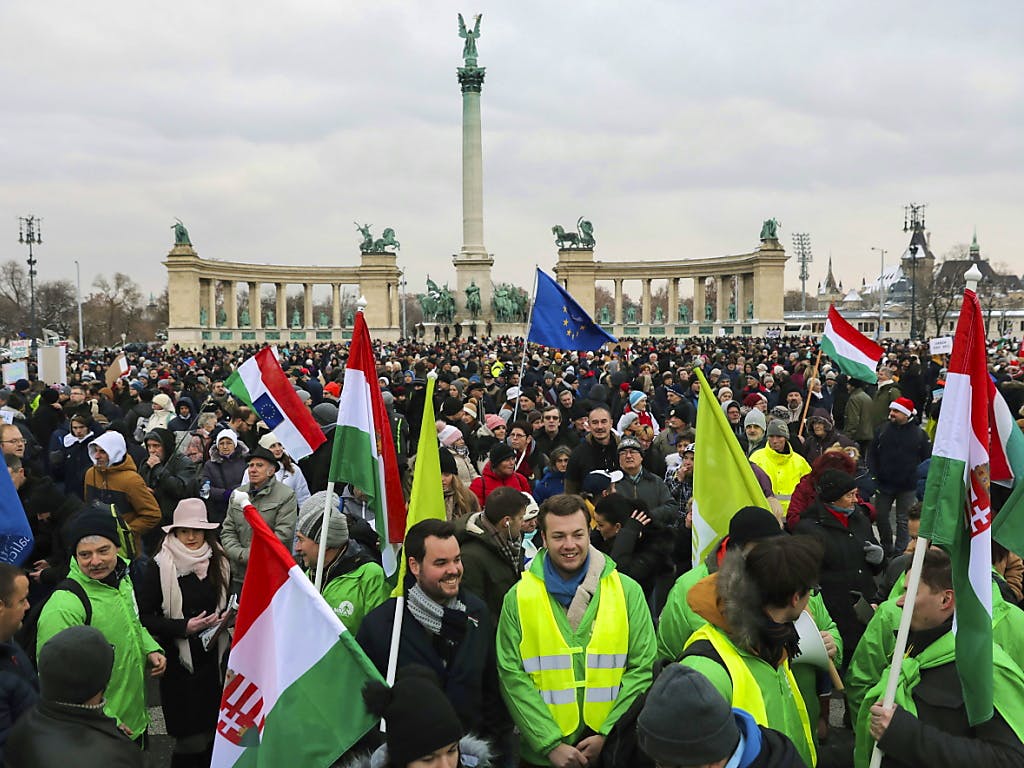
(551,484)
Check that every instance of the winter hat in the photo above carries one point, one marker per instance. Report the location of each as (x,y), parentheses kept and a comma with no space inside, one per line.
(752,524)
(259,452)
(451,406)
(449,436)
(780,412)
(756,418)
(470,408)
(50,396)
(834,484)
(903,405)
(630,444)
(512,393)
(95,520)
(332,389)
(230,434)
(325,414)
(190,513)
(311,516)
(751,400)
(636,397)
(303,395)
(500,452)
(600,480)
(532,507)
(448,466)
(268,440)
(75,665)
(163,401)
(684,714)
(778,429)
(419,717)
(494,421)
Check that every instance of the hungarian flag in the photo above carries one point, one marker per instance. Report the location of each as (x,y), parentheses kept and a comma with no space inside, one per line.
(260,383)
(364,451)
(426,499)
(723,482)
(957,514)
(291,695)
(856,355)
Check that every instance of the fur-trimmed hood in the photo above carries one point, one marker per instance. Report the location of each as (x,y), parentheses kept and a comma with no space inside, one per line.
(730,600)
(474,752)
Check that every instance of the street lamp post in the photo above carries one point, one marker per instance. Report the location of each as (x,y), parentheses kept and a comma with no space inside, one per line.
(78,283)
(30,233)
(881,290)
(913,292)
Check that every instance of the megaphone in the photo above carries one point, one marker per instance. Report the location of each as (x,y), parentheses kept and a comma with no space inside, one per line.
(812,647)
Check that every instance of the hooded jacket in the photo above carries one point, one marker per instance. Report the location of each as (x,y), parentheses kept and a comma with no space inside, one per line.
(814,446)
(487,572)
(783,469)
(488,481)
(225,473)
(475,749)
(69,458)
(120,484)
(173,479)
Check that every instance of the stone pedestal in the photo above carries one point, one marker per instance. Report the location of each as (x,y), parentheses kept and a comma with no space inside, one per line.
(474,268)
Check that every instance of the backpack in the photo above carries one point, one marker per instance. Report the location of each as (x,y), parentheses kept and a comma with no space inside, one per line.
(28,635)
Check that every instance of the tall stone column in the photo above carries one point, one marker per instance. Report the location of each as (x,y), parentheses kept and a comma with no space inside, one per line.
(673,301)
(211,300)
(741,314)
(307,305)
(472,262)
(335,305)
(618,301)
(698,300)
(724,291)
(645,304)
(255,306)
(230,304)
(282,305)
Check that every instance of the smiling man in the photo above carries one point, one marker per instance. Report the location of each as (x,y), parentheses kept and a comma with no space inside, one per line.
(575,643)
(444,628)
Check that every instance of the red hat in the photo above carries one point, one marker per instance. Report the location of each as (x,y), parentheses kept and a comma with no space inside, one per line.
(903,405)
(624,386)
(332,388)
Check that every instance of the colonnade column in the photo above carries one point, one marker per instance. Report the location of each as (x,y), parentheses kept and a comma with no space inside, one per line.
(673,300)
(211,287)
(698,299)
(282,305)
(618,301)
(741,311)
(307,305)
(722,284)
(645,303)
(255,306)
(335,305)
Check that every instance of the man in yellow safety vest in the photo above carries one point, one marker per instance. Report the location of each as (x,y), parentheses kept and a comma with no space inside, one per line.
(575,643)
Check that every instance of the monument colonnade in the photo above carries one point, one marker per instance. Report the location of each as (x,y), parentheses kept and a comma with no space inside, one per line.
(739,294)
(196,317)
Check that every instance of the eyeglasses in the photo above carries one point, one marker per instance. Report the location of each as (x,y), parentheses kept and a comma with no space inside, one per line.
(15,441)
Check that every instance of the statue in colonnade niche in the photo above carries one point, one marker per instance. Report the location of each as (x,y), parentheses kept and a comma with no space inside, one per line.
(245,319)
(659,315)
(296,320)
(683,313)
(270,317)
(222,317)
(606,316)
(323,319)
(732,310)
(750,310)
(631,314)
(204,316)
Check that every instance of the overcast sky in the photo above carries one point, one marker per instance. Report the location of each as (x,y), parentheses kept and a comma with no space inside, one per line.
(676,127)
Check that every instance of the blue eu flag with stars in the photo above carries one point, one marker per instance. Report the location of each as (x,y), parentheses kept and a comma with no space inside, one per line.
(557,321)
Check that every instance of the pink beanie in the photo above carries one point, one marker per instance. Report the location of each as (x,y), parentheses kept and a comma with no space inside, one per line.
(494,421)
(449,435)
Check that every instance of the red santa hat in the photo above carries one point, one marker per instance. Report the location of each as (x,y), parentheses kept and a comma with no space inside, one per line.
(903,405)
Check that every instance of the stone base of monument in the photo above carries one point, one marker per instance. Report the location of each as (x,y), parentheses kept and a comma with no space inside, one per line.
(193,338)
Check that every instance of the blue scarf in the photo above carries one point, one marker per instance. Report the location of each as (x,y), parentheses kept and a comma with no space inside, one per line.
(563,590)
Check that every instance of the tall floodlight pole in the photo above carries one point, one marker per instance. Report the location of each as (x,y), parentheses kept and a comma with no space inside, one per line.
(881,290)
(78,292)
(30,233)
(802,246)
(913,221)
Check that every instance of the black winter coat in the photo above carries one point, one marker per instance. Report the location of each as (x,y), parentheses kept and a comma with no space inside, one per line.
(55,735)
(225,475)
(894,454)
(173,479)
(588,456)
(191,701)
(641,552)
(469,680)
(844,570)
(19,687)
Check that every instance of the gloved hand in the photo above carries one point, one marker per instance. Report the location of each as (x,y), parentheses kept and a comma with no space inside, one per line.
(241,498)
(873,553)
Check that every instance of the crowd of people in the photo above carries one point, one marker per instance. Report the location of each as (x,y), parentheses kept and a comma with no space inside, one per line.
(555,616)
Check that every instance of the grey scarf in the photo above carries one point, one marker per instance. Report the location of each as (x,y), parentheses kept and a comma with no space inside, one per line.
(429,612)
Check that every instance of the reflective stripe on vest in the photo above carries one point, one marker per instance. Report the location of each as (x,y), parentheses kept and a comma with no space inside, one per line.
(549,660)
(746,693)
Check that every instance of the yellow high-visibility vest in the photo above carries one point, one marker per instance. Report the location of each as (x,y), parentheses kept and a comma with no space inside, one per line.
(746,693)
(548,659)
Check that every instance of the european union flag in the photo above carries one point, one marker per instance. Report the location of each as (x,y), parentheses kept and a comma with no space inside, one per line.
(16,540)
(557,321)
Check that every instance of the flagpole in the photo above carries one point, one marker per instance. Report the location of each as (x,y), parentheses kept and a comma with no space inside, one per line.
(526,340)
(807,400)
(913,581)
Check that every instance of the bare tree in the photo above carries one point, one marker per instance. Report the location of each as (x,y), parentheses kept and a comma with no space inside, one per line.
(113,308)
(57,306)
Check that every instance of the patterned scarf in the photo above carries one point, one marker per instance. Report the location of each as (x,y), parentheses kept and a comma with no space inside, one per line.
(430,613)
(511,549)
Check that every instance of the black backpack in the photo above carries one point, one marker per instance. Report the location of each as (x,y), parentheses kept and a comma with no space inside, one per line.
(28,635)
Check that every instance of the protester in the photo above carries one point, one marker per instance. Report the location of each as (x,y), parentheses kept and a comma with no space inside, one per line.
(224,472)
(491,546)
(499,471)
(19,686)
(459,501)
(289,472)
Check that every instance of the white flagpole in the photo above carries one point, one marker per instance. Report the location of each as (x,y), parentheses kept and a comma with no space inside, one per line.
(526,342)
(322,555)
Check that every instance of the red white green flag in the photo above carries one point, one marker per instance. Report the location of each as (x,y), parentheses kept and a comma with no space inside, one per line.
(364,451)
(291,696)
(957,514)
(856,355)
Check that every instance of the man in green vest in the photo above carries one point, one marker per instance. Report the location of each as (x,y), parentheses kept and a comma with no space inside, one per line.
(928,724)
(745,648)
(575,643)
